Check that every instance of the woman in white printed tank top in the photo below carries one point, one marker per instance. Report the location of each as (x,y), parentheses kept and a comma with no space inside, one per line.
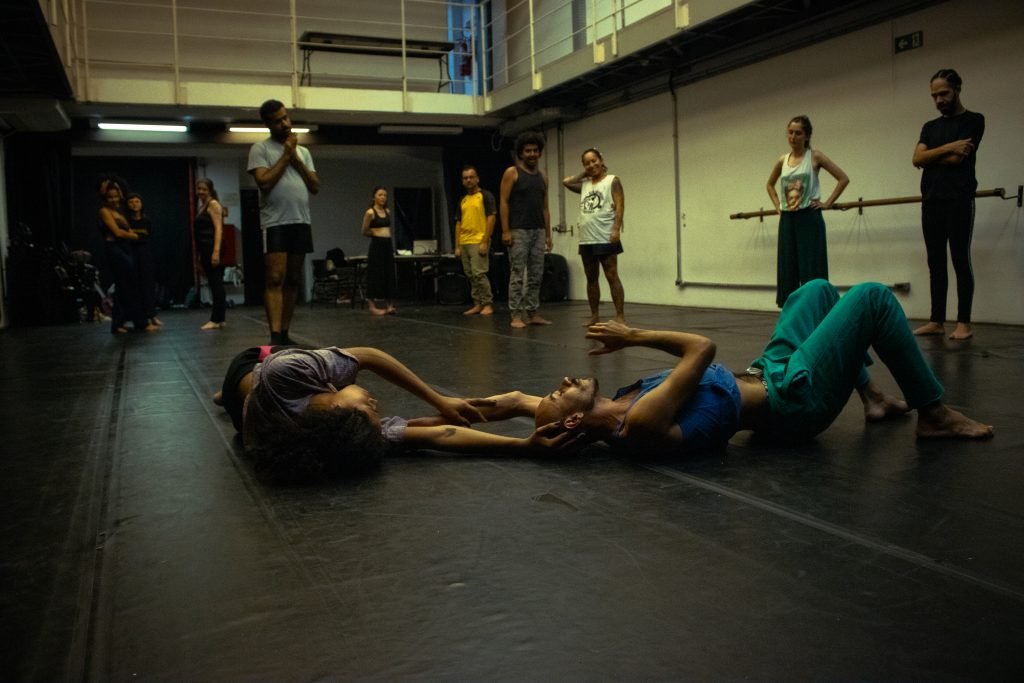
(803,252)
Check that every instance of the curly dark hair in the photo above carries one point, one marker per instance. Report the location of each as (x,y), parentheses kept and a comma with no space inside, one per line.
(319,444)
(530,137)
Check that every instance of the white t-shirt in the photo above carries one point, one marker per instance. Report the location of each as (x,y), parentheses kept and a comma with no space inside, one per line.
(288,202)
(597,211)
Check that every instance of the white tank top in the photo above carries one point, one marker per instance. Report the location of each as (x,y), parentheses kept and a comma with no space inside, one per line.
(597,211)
(798,185)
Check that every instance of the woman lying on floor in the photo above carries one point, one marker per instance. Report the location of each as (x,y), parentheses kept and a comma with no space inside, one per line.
(814,361)
(302,416)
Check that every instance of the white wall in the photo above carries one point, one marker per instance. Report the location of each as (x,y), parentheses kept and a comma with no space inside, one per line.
(867,106)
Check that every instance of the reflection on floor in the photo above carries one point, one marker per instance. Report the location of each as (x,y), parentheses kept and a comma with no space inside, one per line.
(138,544)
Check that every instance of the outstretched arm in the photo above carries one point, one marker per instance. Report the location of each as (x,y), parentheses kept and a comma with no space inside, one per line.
(548,438)
(455,410)
(494,409)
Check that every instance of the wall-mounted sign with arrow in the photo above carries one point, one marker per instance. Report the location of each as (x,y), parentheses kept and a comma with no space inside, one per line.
(909,42)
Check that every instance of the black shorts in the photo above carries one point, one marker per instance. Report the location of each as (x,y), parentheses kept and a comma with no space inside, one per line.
(295,238)
(600,250)
(241,365)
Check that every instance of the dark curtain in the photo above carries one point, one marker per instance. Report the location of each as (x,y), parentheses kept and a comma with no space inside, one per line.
(490,165)
(38,172)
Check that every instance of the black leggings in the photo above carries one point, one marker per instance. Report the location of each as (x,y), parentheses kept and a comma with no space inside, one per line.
(953,223)
(127,296)
(215,278)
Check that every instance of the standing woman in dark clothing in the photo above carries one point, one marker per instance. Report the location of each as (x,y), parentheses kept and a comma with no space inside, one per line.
(803,251)
(145,268)
(209,226)
(380,258)
(117,247)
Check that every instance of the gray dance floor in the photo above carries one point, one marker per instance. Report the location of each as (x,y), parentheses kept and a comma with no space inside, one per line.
(139,546)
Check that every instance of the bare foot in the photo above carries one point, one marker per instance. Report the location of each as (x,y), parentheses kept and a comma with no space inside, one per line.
(156,321)
(150,328)
(941,422)
(473,311)
(593,320)
(880,406)
(392,310)
(621,319)
(537,320)
(518,323)
(378,311)
(487,310)
(120,330)
(962,332)
(218,398)
(929,329)
(212,326)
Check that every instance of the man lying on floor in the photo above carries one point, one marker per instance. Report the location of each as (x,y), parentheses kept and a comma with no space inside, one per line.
(302,415)
(794,390)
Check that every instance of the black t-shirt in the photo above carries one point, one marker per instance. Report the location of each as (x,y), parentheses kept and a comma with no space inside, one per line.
(141,227)
(526,202)
(951,181)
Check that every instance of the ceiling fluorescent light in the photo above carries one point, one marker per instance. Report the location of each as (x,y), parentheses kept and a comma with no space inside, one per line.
(389,129)
(266,131)
(146,127)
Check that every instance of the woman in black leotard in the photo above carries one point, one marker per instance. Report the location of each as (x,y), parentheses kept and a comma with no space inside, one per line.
(380,260)
(145,266)
(209,231)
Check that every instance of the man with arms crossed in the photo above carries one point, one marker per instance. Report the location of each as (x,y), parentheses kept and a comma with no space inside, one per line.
(474,224)
(946,153)
(525,228)
(285,175)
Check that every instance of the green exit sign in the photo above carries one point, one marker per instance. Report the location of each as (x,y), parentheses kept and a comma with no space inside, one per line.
(909,41)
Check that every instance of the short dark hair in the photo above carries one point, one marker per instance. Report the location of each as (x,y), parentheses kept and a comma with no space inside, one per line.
(269,108)
(318,444)
(588,150)
(530,137)
(470,167)
(950,76)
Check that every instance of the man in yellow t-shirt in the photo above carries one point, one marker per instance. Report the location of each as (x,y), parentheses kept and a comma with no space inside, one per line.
(474,224)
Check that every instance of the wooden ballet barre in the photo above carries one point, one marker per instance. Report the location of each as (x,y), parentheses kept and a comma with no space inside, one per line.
(861,203)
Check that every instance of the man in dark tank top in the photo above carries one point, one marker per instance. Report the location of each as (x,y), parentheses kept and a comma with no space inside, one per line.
(525,229)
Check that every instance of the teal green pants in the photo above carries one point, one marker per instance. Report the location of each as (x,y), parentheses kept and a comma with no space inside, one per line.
(818,352)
